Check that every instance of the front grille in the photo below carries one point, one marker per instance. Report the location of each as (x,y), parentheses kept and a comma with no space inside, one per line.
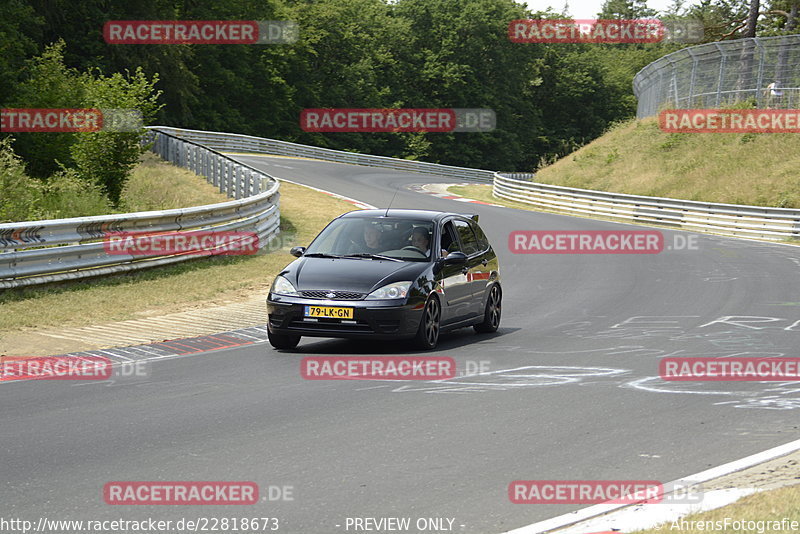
(337,295)
(332,326)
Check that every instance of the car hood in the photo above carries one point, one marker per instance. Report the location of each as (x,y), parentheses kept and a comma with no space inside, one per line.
(357,275)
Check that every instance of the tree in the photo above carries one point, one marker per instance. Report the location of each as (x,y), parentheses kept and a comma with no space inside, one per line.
(626,9)
(460,56)
(721,19)
(752,19)
(49,84)
(105,157)
(19,31)
(80,26)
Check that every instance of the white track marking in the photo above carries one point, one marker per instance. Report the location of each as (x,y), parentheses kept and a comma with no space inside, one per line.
(703,476)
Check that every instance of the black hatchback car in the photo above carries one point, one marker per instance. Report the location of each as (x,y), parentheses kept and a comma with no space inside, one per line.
(388,274)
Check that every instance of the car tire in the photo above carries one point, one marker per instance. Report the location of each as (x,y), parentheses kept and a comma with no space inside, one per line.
(491,315)
(430,325)
(283,341)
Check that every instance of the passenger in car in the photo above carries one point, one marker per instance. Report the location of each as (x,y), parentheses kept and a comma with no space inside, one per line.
(372,238)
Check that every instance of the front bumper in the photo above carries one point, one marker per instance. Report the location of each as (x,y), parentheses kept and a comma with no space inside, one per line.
(373,319)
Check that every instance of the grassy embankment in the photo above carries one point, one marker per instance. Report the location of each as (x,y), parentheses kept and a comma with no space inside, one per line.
(637,158)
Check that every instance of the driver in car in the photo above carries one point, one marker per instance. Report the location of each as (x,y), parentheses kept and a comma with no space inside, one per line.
(420,239)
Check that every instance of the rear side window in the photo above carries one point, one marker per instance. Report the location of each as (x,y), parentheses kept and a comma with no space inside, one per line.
(469,242)
(483,242)
(449,240)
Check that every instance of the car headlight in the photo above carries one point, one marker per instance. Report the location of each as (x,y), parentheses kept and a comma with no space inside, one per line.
(397,290)
(281,286)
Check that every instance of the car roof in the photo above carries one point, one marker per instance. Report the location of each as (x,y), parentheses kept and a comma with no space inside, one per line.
(402,214)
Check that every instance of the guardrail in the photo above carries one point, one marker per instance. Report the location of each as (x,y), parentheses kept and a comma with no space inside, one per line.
(37,252)
(522,176)
(260,145)
(725,219)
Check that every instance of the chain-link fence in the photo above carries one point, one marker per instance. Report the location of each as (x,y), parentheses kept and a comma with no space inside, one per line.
(763,70)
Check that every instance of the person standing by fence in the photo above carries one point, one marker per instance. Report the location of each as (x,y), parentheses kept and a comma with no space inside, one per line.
(774,94)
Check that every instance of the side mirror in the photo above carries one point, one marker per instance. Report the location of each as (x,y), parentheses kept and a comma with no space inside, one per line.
(297,251)
(455,258)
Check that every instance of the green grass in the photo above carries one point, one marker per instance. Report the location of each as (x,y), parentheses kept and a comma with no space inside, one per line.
(197,283)
(157,185)
(773,505)
(637,158)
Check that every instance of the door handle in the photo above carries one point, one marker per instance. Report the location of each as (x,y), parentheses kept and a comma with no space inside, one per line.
(465,270)
(484,262)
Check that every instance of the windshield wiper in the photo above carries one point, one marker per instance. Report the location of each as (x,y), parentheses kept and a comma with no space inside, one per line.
(320,255)
(371,256)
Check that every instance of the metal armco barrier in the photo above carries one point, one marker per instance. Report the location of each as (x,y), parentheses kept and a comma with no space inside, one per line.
(260,145)
(37,252)
(725,219)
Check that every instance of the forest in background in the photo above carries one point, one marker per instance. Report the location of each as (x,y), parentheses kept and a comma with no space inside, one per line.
(549,99)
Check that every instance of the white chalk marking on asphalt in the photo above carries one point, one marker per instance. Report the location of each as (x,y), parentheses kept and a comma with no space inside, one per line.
(650,515)
(590,512)
(639,384)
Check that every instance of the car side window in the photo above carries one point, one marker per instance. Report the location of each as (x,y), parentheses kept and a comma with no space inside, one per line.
(449,241)
(469,242)
(483,242)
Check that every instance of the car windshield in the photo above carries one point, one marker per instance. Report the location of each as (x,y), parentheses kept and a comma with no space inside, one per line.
(378,238)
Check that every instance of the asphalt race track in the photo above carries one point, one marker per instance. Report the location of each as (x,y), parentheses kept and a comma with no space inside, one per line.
(573,392)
